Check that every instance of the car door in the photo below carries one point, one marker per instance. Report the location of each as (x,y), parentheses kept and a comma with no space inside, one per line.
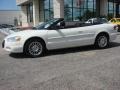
(56,39)
(80,36)
(70,37)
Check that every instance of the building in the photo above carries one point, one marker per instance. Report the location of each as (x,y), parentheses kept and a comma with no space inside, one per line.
(11,17)
(35,11)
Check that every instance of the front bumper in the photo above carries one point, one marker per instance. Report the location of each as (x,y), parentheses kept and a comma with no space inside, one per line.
(14,47)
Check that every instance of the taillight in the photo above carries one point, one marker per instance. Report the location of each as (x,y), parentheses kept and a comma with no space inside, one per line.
(116,27)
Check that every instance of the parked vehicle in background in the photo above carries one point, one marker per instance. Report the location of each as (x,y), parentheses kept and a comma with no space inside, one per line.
(95,21)
(54,34)
(6,26)
(1,27)
(116,21)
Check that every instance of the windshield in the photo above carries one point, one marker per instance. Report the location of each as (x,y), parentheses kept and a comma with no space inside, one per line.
(104,20)
(117,20)
(45,25)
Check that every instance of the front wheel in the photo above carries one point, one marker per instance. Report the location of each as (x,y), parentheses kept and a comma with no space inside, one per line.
(102,41)
(34,48)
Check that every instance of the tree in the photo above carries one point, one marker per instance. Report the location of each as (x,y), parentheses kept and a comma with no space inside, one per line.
(67,12)
(88,14)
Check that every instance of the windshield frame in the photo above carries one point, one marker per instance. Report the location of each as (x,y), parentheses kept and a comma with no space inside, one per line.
(47,25)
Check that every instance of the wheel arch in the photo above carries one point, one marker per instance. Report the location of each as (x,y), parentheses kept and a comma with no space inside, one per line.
(32,38)
(102,33)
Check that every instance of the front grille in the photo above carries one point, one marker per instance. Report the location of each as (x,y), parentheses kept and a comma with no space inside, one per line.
(3,44)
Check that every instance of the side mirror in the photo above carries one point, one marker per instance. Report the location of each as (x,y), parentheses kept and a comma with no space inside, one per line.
(54,28)
(62,23)
(57,27)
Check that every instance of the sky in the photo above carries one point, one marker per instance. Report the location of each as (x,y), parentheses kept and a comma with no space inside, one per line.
(8,5)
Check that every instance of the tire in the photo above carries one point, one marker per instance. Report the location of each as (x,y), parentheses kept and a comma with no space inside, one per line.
(102,41)
(34,48)
(118,28)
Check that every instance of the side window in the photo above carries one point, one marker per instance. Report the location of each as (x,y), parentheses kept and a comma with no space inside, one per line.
(90,21)
(113,20)
(118,20)
(95,21)
(61,25)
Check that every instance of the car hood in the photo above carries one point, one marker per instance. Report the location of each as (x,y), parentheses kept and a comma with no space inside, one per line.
(28,33)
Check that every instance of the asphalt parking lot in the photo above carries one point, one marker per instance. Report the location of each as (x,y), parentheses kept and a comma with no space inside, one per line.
(83,68)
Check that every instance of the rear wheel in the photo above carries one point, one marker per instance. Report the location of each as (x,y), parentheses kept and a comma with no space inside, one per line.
(34,48)
(102,41)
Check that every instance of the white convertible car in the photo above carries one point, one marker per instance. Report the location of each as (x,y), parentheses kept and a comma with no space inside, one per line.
(54,34)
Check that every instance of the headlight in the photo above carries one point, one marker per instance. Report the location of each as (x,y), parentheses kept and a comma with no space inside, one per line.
(14,39)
